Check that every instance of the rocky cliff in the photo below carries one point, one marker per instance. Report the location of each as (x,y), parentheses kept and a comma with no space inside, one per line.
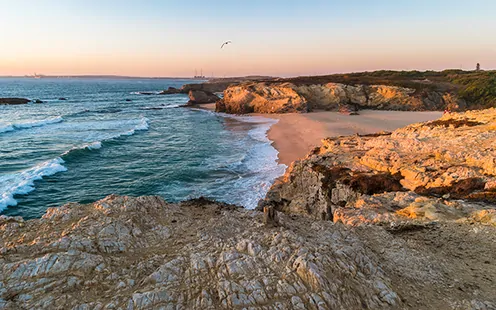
(429,171)
(287,97)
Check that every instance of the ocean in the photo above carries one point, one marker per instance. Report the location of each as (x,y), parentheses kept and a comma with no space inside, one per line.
(109,138)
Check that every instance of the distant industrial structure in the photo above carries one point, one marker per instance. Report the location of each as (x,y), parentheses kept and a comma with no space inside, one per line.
(201,76)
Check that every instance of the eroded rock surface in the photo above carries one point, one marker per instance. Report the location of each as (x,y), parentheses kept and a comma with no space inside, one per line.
(262,98)
(142,253)
(426,171)
(286,97)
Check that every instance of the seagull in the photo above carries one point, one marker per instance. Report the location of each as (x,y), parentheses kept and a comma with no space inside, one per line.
(225,43)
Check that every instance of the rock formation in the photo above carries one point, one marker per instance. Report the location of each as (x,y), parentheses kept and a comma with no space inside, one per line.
(418,172)
(287,97)
(201,96)
(262,98)
(14,101)
(142,253)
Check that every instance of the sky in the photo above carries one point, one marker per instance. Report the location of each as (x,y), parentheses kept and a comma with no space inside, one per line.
(278,38)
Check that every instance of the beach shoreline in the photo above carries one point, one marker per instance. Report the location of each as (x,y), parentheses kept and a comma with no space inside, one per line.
(296,134)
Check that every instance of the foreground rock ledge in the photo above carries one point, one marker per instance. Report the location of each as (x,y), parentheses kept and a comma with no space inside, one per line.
(143,253)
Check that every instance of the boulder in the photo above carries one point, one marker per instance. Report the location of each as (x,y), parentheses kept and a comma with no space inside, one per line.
(201,96)
(14,101)
(170,91)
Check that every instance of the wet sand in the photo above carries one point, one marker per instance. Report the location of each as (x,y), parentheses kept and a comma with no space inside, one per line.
(207,106)
(296,134)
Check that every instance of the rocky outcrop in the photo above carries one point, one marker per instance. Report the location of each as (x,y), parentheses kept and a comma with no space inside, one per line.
(286,97)
(171,91)
(201,96)
(143,253)
(262,98)
(14,101)
(429,171)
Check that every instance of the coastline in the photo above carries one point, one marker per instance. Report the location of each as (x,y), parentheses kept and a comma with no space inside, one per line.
(296,134)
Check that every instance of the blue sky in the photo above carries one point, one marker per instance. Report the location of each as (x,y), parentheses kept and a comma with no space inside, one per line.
(172,38)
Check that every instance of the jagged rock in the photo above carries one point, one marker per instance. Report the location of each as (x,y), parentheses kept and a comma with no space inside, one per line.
(143,253)
(14,101)
(201,96)
(351,179)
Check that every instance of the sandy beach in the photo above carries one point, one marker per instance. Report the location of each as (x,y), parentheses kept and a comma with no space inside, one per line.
(296,134)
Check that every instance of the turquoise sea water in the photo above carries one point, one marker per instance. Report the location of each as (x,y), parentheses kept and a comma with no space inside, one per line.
(98,142)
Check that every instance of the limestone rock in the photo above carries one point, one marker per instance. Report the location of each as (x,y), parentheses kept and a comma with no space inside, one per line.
(351,179)
(286,97)
(262,98)
(142,253)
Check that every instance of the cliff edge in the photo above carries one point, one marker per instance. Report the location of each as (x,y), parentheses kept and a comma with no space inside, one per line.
(454,90)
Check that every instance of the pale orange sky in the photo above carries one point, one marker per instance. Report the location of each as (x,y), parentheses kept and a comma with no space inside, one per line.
(156,39)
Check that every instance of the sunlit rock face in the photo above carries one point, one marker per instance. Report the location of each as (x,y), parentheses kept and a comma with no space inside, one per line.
(286,97)
(262,98)
(424,171)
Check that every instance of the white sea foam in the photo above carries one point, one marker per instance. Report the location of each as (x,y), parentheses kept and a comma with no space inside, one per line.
(261,161)
(89,146)
(30,124)
(22,182)
(38,123)
(145,93)
(6,128)
(143,125)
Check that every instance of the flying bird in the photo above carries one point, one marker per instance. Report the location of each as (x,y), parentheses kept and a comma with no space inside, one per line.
(225,43)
